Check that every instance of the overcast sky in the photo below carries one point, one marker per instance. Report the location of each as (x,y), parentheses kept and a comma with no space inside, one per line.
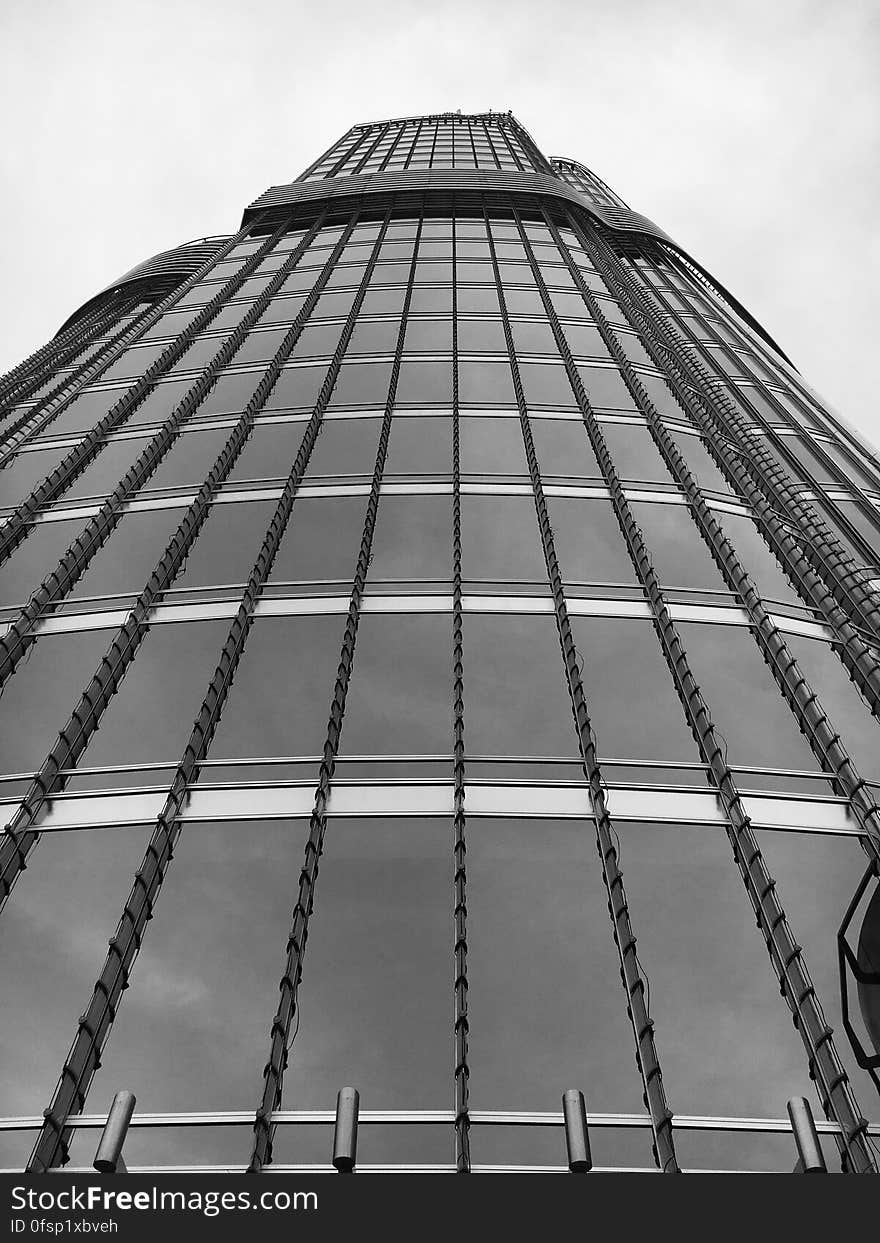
(747,131)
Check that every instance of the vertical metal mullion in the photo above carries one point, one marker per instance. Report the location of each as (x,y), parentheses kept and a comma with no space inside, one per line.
(510,147)
(460,948)
(714,413)
(647,1058)
(383,130)
(94,1027)
(470,130)
(785,953)
(80,456)
(20,836)
(359,136)
(433,145)
(75,561)
(412,146)
(280,1029)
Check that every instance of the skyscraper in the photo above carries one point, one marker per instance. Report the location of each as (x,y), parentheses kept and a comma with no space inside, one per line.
(442,597)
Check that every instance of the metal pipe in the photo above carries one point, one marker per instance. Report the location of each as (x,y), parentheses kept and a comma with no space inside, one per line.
(577,1135)
(108,1158)
(810,1158)
(345,1133)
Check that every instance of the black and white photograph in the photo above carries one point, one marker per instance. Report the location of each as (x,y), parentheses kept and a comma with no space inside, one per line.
(439,608)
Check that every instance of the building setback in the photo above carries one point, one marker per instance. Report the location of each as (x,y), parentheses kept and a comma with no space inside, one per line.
(441,657)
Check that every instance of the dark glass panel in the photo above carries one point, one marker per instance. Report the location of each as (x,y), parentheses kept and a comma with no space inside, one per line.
(400,696)
(84,412)
(569,305)
(108,468)
(725,1035)
(268,452)
(280,700)
(36,702)
(161,402)
(743,699)
(631,698)
(345,447)
(515,694)
(813,467)
(473,301)
(190,459)
(55,933)
(427,300)
(379,302)
(532,338)
(26,471)
(129,556)
(202,352)
(424,382)
(133,362)
(634,349)
(413,538)
(322,540)
(227,545)
(634,453)
(375,338)
(172,324)
(563,447)
(605,387)
(756,558)
(500,539)
(259,345)
(491,446)
(361,384)
(585,341)
(676,548)
(390,274)
(352,274)
(280,311)
(485,383)
(428,335)
(523,302)
(419,445)
(588,542)
(297,388)
(332,305)
(35,558)
(232,392)
(149,719)
(849,713)
(661,395)
(546,385)
(546,1006)
(193,1027)
(699,462)
(383,884)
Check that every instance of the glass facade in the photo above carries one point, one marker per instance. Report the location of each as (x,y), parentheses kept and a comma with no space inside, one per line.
(411,603)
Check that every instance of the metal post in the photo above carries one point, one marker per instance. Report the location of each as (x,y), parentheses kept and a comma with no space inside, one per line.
(108,1158)
(810,1158)
(577,1135)
(345,1133)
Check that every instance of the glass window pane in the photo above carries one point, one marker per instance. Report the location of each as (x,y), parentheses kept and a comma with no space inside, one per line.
(149,719)
(634,453)
(125,562)
(756,557)
(383,883)
(322,540)
(345,447)
(485,383)
(227,545)
(36,702)
(676,548)
(588,542)
(400,697)
(546,385)
(26,471)
(108,469)
(296,388)
(849,713)
(231,393)
(515,693)
(361,384)
(413,538)
(563,448)
(84,412)
(500,539)
(259,345)
(491,446)
(743,699)
(424,383)
(269,452)
(35,558)
(545,1002)
(280,700)
(700,464)
(419,445)
(190,459)
(605,387)
(631,698)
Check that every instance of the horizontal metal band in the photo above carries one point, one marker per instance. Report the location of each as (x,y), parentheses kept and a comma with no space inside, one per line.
(389,603)
(551,801)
